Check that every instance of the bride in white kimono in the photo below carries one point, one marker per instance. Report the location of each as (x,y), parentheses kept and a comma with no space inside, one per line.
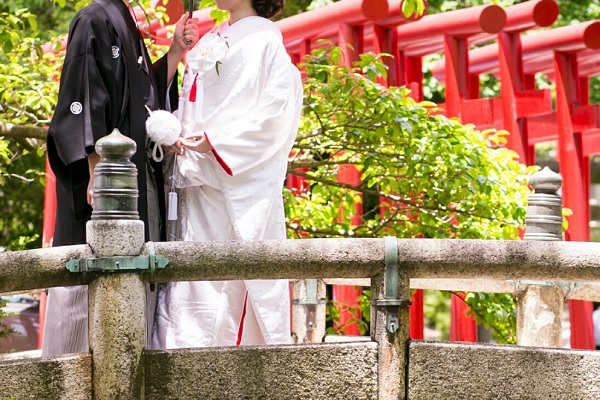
(240,108)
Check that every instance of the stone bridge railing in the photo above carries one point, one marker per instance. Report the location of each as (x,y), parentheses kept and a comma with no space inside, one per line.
(388,367)
(116,265)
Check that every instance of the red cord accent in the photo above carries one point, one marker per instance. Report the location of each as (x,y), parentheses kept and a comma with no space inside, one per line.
(218,157)
(193,90)
(241,328)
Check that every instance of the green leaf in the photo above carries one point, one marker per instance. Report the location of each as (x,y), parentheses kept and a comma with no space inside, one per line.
(408,8)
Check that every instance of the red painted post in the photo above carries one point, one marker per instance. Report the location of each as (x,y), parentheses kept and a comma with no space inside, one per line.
(463,328)
(351,42)
(520,17)
(416,315)
(448,31)
(49,220)
(412,74)
(457,88)
(345,295)
(385,40)
(573,172)
(512,81)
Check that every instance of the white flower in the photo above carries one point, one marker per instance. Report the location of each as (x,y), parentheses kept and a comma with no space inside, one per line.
(207,53)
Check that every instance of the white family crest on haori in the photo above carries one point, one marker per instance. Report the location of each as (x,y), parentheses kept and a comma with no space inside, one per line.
(163,128)
(207,54)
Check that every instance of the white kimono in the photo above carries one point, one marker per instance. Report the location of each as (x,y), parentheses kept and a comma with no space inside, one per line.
(249,110)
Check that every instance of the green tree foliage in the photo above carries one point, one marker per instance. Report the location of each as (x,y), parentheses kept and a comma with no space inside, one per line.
(421,174)
(4,330)
(436,177)
(495,306)
(52,19)
(26,101)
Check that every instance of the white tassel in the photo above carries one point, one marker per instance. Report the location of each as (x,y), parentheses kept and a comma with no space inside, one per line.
(172,207)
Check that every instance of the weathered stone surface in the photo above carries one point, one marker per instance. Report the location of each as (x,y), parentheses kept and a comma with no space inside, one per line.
(40,268)
(361,258)
(308,317)
(117,335)
(67,377)
(539,316)
(319,371)
(325,258)
(441,370)
(109,238)
(502,259)
(392,347)
(301,259)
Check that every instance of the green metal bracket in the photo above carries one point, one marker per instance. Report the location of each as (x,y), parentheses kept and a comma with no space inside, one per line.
(391,302)
(151,262)
(391,267)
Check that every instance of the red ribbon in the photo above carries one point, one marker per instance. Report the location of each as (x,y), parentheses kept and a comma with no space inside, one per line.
(193,90)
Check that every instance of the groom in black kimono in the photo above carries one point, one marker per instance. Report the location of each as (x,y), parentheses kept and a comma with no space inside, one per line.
(107,81)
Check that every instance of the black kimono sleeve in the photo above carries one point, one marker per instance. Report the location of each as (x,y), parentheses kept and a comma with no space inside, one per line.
(91,98)
(92,87)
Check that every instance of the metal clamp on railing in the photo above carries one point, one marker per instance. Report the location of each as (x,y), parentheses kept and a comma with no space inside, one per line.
(151,262)
(391,302)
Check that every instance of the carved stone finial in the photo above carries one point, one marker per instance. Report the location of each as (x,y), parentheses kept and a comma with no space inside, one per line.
(543,220)
(546,181)
(115,179)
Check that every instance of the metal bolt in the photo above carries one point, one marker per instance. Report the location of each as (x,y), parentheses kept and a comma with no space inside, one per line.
(392,323)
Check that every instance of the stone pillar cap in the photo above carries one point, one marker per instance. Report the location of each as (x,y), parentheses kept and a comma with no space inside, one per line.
(546,180)
(116,145)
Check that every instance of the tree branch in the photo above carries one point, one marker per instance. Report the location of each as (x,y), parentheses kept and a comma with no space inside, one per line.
(22,131)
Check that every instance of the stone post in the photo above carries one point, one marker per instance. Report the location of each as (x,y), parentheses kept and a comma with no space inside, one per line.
(540,304)
(308,310)
(390,325)
(116,300)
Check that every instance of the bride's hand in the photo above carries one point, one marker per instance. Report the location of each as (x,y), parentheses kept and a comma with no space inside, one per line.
(174,148)
(196,142)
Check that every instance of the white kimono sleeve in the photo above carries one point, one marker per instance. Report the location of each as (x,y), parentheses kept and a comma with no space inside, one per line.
(247,141)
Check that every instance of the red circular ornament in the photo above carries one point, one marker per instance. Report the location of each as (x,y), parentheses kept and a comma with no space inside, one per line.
(375,9)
